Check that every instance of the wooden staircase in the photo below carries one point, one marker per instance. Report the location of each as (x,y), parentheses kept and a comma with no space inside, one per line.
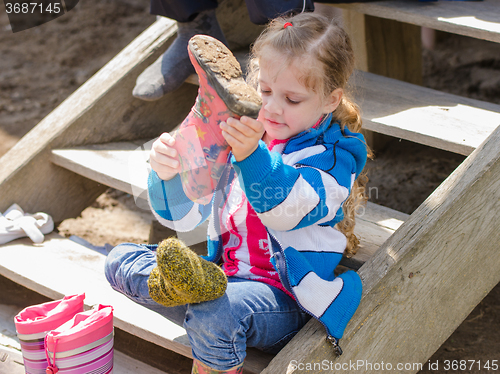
(412,267)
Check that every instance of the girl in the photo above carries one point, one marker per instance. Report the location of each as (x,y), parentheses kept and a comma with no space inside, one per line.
(282,219)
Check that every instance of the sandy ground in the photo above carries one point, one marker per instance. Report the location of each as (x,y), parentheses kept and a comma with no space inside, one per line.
(40,67)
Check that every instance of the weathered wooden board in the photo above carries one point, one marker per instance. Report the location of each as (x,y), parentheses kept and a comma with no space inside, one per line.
(121,165)
(59,267)
(423,115)
(385,47)
(476,19)
(424,281)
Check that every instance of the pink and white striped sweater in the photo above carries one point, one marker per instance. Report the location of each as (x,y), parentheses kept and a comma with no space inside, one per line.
(245,239)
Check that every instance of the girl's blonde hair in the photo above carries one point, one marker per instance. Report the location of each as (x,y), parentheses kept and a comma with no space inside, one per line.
(325,49)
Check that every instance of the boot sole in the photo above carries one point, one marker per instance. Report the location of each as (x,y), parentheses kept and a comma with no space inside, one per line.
(224,74)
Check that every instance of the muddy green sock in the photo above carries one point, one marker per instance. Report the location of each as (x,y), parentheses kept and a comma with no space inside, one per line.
(163,293)
(182,277)
(190,275)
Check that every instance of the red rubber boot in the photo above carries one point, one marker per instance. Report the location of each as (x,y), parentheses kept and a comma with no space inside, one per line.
(223,93)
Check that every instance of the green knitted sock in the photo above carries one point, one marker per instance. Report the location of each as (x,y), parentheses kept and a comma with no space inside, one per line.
(163,293)
(196,278)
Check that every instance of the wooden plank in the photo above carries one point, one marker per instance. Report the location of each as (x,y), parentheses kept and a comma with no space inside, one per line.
(354,25)
(124,166)
(423,115)
(11,361)
(479,20)
(59,267)
(424,281)
(385,47)
(123,364)
(374,225)
(121,165)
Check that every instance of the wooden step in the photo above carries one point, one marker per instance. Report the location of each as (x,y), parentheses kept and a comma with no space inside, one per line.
(59,267)
(421,115)
(478,19)
(124,166)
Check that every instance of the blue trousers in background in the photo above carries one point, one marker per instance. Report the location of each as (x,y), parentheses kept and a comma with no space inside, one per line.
(260,11)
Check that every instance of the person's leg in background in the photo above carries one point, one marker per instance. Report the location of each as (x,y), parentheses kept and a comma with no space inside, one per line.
(171,69)
(262,11)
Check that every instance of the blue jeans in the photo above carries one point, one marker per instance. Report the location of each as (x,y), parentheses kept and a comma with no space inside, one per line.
(251,313)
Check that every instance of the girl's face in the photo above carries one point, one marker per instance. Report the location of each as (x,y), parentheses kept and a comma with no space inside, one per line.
(288,107)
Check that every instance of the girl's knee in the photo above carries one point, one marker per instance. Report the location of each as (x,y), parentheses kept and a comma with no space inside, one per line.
(127,261)
(114,260)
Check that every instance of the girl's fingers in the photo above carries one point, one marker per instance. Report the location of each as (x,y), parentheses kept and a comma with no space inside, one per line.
(233,133)
(167,139)
(163,159)
(161,148)
(252,123)
(171,152)
(242,127)
(231,140)
(164,172)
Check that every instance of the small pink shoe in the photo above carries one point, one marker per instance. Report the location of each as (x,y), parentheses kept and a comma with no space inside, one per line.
(223,93)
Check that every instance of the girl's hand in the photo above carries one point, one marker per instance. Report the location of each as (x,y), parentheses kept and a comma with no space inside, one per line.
(163,157)
(242,135)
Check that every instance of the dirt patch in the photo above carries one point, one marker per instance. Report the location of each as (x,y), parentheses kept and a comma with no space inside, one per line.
(41,67)
(112,219)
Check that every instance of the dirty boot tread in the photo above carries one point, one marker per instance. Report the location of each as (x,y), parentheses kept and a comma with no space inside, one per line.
(225,75)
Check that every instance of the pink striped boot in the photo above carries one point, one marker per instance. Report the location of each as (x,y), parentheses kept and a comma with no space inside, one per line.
(34,322)
(82,345)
